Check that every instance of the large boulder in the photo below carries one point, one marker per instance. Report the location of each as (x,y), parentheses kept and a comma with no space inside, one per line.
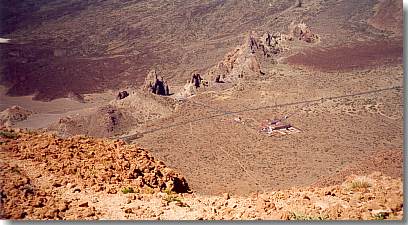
(121,95)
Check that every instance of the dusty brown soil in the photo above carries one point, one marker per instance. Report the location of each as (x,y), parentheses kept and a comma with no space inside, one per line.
(115,117)
(344,117)
(356,56)
(390,163)
(85,47)
(31,69)
(61,47)
(388,16)
(44,177)
(43,114)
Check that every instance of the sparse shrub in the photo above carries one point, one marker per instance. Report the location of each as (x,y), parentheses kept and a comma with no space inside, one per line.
(8,134)
(148,190)
(359,184)
(128,190)
(171,198)
(380,216)
(302,216)
(168,191)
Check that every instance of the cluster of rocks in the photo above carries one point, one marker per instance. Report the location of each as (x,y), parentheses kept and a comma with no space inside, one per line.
(39,169)
(248,60)
(155,84)
(10,116)
(245,62)
(86,163)
(21,198)
(372,197)
(358,198)
(99,161)
(303,32)
(17,193)
(380,198)
(268,44)
(191,87)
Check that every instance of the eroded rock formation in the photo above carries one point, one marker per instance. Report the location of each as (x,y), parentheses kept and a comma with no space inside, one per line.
(248,60)
(303,32)
(156,84)
(243,61)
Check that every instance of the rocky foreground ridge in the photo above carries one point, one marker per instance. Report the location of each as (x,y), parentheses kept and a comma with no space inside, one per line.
(46,177)
(79,163)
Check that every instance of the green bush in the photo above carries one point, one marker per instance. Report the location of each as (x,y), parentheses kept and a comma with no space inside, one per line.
(380,216)
(302,216)
(128,190)
(171,198)
(357,184)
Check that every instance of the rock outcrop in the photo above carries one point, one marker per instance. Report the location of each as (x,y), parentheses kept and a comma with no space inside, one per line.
(10,116)
(79,163)
(196,79)
(271,44)
(239,63)
(248,60)
(303,32)
(46,177)
(117,117)
(245,62)
(121,95)
(191,87)
(156,84)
